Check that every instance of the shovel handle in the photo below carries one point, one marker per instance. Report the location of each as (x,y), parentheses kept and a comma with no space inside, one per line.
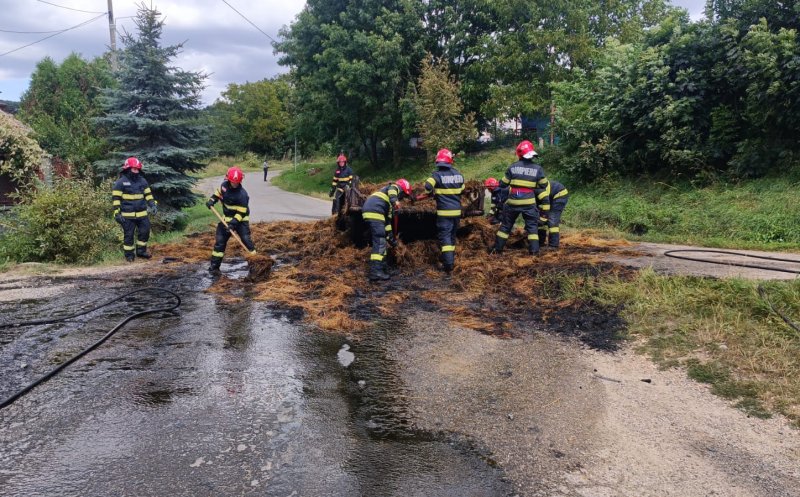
(233,233)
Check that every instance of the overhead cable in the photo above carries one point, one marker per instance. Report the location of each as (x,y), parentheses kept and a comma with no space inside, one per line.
(54,34)
(248,20)
(71,8)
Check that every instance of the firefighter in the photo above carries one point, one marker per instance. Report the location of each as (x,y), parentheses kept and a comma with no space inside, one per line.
(378,212)
(342,178)
(235,211)
(549,222)
(133,201)
(499,197)
(529,192)
(446,184)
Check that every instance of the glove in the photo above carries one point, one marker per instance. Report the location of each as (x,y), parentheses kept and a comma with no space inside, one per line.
(391,240)
(118,217)
(330,193)
(210,203)
(153,208)
(232,224)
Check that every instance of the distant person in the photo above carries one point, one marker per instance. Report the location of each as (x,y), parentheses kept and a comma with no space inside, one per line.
(529,193)
(235,211)
(549,222)
(342,179)
(133,202)
(265,166)
(499,196)
(446,184)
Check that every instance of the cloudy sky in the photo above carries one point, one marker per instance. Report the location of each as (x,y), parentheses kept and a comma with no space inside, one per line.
(218,40)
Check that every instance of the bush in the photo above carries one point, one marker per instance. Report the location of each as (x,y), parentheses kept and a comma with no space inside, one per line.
(67,223)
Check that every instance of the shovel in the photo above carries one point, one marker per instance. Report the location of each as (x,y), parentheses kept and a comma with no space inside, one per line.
(258,266)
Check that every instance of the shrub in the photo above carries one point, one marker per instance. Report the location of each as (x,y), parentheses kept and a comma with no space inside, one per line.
(67,223)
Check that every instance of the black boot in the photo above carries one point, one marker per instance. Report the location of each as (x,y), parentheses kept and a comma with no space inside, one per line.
(555,238)
(499,243)
(533,247)
(144,255)
(129,257)
(542,236)
(387,269)
(376,272)
(448,268)
(215,264)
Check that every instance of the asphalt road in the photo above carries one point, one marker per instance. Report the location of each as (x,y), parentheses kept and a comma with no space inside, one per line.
(270,203)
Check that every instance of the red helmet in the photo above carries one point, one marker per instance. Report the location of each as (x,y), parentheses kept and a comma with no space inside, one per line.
(444,155)
(404,185)
(525,150)
(235,175)
(341,159)
(132,163)
(491,183)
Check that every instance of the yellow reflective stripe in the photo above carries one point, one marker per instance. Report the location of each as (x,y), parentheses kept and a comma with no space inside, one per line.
(545,207)
(373,215)
(448,248)
(543,227)
(395,188)
(132,196)
(147,190)
(522,182)
(128,247)
(218,193)
(141,244)
(238,217)
(388,227)
(214,253)
(533,237)
(431,181)
(380,195)
(524,201)
(134,214)
(345,178)
(542,195)
(502,235)
(116,203)
(560,194)
(449,213)
(449,191)
(376,257)
(544,181)
(116,192)
(237,208)
(504,180)
(555,229)
(148,197)
(334,182)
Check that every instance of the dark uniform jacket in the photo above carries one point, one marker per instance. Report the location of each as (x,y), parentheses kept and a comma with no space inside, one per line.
(342,177)
(528,185)
(447,185)
(499,196)
(131,194)
(235,202)
(380,205)
(557,191)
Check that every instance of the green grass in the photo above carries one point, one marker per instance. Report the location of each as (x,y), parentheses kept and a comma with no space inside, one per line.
(720,330)
(218,166)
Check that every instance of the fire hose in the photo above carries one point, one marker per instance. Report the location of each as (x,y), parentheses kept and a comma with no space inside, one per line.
(167,308)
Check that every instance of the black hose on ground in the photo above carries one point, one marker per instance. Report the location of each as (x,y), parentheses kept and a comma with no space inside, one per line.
(786,320)
(7,402)
(671,253)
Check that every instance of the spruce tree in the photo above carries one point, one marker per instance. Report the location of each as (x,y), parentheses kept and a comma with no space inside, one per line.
(153,113)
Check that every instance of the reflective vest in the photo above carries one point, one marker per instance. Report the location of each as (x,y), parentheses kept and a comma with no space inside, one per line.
(342,177)
(527,185)
(130,195)
(235,202)
(379,206)
(447,185)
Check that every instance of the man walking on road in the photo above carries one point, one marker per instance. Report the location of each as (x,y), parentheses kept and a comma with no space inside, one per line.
(265,166)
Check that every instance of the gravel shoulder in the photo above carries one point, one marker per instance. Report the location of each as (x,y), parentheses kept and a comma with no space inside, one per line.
(562,420)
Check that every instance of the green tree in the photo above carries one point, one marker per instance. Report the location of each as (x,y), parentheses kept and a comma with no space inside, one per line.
(20,155)
(439,111)
(60,104)
(153,115)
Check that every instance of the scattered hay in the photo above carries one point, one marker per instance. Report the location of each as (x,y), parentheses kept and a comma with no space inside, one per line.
(320,272)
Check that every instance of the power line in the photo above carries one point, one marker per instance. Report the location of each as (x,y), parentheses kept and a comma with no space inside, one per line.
(70,8)
(30,32)
(248,20)
(54,34)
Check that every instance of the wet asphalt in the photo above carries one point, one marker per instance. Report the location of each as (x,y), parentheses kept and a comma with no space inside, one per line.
(217,398)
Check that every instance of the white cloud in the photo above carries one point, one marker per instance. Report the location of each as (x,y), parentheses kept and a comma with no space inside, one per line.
(218,40)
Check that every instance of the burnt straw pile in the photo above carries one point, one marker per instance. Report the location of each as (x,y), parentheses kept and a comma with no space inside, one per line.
(320,271)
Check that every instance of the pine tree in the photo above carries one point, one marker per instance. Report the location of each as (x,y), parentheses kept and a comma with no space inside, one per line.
(153,113)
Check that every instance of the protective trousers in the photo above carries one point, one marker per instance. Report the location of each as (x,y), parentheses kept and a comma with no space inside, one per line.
(338,197)
(142,226)
(377,230)
(530,214)
(550,226)
(446,228)
(222,237)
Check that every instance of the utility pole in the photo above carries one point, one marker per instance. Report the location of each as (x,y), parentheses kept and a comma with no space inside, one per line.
(295,150)
(112,31)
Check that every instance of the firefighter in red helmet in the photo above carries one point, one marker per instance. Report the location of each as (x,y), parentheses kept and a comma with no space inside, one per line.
(529,194)
(342,179)
(235,211)
(378,212)
(499,196)
(446,184)
(133,202)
